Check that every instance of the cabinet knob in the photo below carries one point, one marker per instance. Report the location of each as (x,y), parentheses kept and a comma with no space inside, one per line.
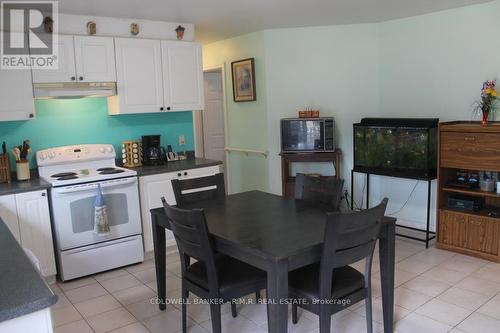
(31,115)
(73,78)
(185,173)
(179,174)
(81,78)
(168,108)
(44,194)
(161,109)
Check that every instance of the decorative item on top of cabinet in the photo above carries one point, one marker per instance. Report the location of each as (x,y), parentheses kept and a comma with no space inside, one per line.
(309,113)
(180,32)
(487,105)
(91,28)
(48,24)
(468,149)
(134,29)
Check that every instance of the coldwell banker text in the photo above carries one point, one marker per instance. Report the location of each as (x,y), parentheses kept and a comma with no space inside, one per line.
(29,36)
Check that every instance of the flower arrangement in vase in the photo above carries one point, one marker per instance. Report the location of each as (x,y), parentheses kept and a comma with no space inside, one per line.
(487,104)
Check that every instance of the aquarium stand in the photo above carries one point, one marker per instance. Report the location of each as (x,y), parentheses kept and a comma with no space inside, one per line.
(429,235)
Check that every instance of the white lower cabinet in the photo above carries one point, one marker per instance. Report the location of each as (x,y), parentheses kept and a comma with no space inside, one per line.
(27,216)
(153,188)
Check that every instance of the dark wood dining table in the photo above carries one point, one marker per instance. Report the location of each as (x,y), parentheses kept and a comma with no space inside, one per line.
(277,235)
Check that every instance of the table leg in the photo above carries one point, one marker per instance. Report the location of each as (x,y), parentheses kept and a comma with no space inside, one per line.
(160,249)
(277,293)
(387,258)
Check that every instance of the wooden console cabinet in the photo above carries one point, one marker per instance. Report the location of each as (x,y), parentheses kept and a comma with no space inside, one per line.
(468,146)
(288,181)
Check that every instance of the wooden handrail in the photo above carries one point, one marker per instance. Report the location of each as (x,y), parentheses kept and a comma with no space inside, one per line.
(247,151)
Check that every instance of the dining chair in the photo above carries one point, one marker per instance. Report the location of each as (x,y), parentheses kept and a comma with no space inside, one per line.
(214,277)
(322,191)
(331,285)
(196,189)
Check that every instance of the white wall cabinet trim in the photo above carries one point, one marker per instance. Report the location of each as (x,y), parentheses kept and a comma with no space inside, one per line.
(95,59)
(66,71)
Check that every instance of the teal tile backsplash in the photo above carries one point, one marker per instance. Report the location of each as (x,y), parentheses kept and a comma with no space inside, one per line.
(62,122)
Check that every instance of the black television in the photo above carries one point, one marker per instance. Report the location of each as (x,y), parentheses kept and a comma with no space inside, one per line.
(399,147)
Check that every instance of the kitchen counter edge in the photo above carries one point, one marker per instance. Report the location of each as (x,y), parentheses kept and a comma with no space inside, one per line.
(174,166)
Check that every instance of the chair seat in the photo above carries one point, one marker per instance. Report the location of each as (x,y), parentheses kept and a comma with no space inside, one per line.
(305,281)
(232,274)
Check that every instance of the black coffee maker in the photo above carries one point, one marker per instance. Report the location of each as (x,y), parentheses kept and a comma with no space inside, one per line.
(152,152)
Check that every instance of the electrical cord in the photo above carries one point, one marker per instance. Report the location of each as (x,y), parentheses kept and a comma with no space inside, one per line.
(407,200)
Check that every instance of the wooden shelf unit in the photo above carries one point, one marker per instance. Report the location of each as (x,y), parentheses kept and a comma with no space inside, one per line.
(468,146)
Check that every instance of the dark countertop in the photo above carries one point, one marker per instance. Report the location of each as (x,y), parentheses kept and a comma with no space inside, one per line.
(33,184)
(174,166)
(22,288)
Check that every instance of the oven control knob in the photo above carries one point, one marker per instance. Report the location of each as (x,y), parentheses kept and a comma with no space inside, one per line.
(43,156)
(52,155)
(102,150)
(110,149)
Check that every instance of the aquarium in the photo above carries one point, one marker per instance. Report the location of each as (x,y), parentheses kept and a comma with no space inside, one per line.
(396,147)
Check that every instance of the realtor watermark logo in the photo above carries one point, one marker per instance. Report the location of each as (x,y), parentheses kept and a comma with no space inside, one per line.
(28,36)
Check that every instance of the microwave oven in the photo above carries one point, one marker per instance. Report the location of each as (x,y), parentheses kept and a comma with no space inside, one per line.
(307,135)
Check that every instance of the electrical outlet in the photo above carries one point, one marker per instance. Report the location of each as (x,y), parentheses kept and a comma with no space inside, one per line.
(182,140)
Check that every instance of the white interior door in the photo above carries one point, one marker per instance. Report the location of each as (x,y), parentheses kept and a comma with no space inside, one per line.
(213,117)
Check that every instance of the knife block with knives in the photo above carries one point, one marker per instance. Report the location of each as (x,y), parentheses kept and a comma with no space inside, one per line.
(4,165)
(21,156)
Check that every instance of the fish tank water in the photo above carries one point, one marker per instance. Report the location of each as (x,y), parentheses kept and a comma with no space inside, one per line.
(399,147)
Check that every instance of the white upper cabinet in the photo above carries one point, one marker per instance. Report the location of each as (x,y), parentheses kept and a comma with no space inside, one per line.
(81,59)
(182,76)
(16,95)
(95,59)
(66,71)
(138,76)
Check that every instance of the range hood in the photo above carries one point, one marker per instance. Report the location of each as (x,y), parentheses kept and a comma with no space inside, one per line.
(74,89)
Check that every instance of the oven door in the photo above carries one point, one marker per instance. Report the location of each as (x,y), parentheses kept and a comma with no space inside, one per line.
(73,212)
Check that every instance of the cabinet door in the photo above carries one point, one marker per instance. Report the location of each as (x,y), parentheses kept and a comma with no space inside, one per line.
(35,228)
(138,74)
(95,59)
(16,95)
(8,213)
(452,228)
(182,76)
(482,234)
(66,71)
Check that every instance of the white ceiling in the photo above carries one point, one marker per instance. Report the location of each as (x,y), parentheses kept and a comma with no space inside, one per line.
(220,19)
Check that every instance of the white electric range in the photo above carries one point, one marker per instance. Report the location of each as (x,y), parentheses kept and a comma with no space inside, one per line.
(75,173)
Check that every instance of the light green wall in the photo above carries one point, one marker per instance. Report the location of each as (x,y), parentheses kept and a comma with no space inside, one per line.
(246,121)
(425,66)
(62,122)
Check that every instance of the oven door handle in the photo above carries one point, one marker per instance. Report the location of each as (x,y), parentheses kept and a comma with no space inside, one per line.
(93,186)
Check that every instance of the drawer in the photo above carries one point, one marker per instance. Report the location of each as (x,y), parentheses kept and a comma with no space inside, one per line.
(480,151)
(452,228)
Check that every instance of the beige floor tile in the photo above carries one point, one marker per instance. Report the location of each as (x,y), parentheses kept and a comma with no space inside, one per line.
(409,299)
(80,326)
(443,312)
(65,315)
(462,265)
(433,256)
(97,305)
(174,268)
(414,266)
(377,311)
(134,294)
(478,322)
(442,274)
(65,286)
(401,277)
(145,309)
(132,328)
(147,275)
(352,323)
(255,312)
(110,275)
(166,322)
(120,283)
(464,298)
(415,323)
(110,320)
(488,272)
(140,267)
(427,286)
(85,293)
(491,308)
(173,257)
(62,300)
(479,286)
(239,324)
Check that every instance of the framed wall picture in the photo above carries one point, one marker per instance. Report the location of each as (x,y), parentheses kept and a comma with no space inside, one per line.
(244,80)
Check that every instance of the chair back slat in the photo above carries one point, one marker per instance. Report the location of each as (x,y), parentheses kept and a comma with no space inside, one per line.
(192,237)
(322,191)
(197,189)
(348,239)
